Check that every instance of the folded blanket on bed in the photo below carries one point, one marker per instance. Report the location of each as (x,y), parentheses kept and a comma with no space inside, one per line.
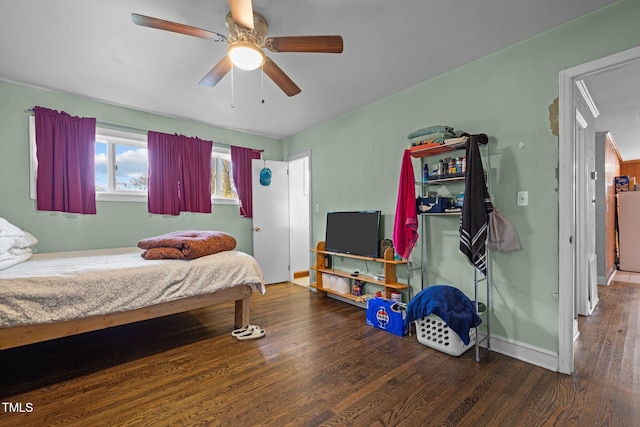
(448,303)
(188,244)
(14,256)
(15,244)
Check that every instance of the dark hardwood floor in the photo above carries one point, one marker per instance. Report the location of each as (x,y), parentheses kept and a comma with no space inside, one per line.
(319,364)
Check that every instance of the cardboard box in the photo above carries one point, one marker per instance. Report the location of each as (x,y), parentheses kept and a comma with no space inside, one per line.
(622,183)
(387,315)
(435,204)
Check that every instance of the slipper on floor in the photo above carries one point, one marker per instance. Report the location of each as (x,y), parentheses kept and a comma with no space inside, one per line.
(252,333)
(241,331)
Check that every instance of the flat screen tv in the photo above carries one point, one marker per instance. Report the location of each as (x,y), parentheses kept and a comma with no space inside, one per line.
(356,233)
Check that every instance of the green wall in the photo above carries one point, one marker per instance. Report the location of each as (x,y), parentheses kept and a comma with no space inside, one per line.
(356,160)
(116,224)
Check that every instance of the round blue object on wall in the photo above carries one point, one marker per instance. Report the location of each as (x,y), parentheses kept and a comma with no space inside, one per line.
(265,176)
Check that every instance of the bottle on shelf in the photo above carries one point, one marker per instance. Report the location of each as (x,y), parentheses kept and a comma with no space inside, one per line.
(425,172)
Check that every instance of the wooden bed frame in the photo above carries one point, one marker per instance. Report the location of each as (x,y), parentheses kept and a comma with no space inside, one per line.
(29,334)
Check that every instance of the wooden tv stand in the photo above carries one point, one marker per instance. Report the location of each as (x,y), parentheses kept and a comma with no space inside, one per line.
(390,282)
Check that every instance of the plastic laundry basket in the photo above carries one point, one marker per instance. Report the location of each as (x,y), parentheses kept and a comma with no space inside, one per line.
(433,332)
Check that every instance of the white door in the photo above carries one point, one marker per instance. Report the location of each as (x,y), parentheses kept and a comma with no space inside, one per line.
(586,261)
(271,220)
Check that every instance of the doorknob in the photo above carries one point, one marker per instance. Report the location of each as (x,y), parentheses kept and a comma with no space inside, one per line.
(257,228)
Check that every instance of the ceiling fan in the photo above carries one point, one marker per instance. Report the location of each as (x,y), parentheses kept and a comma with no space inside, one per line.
(245,43)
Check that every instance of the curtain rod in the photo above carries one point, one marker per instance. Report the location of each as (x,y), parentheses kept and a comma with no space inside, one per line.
(132,129)
(105,124)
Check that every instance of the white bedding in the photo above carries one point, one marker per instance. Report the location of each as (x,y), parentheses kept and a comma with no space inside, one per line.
(67,285)
(15,244)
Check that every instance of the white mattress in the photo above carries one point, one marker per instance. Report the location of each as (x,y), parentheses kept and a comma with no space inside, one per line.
(68,285)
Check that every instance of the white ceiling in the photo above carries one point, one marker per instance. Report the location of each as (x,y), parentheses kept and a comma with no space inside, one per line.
(616,93)
(92,48)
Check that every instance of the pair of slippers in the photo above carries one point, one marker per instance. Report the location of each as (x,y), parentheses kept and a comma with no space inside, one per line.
(248,332)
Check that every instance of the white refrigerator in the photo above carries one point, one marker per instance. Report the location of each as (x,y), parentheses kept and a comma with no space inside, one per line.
(629,230)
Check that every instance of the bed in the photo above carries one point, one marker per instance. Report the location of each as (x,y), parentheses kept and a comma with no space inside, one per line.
(66,293)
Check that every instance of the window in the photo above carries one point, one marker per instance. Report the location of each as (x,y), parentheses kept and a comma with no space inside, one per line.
(121,164)
(223,189)
(121,167)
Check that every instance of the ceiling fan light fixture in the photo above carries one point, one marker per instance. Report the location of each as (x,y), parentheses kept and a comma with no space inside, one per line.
(246,55)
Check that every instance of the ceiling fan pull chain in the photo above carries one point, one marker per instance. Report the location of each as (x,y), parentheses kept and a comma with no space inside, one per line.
(262,83)
(233,105)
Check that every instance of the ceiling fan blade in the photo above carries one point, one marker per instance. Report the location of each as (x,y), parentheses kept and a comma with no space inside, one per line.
(217,72)
(161,24)
(242,13)
(279,77)
(320,44)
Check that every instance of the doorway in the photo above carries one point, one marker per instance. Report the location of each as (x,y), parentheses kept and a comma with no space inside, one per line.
(570,237)
(281,217)
(300,217)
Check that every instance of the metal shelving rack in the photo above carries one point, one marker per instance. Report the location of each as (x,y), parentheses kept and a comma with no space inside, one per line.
(477,279)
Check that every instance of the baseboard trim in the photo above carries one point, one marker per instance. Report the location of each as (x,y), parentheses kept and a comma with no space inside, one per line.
(299,274)
(527,353)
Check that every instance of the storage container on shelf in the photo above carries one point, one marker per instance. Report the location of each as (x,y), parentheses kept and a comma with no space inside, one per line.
(342,285)
(329,281)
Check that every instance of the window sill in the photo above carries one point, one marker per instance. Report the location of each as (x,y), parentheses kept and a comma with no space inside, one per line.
(224,201)
(142,198)
(121,197)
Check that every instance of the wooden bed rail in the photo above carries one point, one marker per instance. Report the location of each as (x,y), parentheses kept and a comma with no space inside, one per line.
(29,334)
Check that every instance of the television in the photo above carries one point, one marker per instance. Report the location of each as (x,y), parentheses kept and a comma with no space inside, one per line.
(356,233)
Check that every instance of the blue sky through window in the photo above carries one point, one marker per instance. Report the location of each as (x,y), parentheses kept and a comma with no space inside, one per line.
(131,164)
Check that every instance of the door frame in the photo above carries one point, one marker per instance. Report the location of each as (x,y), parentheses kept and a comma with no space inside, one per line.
(567,234)
(298,156)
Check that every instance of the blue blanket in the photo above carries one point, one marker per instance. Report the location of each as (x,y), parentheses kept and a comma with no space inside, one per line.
(448,303)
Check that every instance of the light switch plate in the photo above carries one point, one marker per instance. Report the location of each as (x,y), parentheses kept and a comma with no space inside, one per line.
(523,198)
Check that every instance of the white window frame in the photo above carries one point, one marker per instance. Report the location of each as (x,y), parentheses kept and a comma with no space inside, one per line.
(224,154)
(116,137)
(112,136)
(103,135)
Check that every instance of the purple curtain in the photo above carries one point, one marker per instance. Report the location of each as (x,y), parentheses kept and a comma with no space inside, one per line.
(241,166)
(179,174)
(65,149)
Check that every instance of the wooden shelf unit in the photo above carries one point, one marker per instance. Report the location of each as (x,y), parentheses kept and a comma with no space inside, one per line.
(389,283)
